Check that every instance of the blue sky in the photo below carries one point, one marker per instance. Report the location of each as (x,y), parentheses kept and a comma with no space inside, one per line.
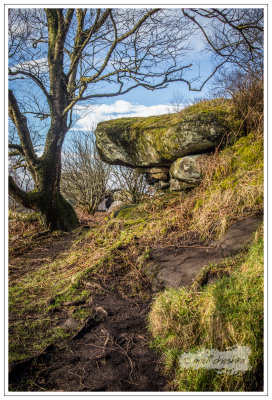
(141,102)
(138,102)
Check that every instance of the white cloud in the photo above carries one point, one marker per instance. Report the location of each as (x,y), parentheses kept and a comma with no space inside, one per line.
(90,116)
(40,65)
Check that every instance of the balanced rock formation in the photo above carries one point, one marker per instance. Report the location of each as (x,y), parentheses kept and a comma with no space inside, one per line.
(166,147)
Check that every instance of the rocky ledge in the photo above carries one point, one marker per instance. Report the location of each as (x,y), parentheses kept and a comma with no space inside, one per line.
(167,147)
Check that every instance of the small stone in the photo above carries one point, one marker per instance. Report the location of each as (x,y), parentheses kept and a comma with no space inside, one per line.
(164,185)
(159,176)
(176,186)
(115,206)
(100,312)
(159,170)
(92,285)
(73,279)
(70,324)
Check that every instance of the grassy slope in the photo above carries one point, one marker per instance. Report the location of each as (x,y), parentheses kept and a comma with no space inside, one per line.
(231,190)
(230,311)
(218,316)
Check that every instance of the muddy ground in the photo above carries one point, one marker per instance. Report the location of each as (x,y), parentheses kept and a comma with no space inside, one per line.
(108,354)
(111,352)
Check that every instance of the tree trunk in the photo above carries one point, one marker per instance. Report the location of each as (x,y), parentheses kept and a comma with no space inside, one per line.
(57,213)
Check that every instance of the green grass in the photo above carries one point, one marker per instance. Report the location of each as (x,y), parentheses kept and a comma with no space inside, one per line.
(23,216)
(226,313)
(36,299)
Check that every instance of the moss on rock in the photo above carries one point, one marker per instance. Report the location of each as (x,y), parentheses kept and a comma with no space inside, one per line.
(160,140)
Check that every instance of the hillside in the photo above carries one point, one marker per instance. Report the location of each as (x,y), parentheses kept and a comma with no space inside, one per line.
(95,309)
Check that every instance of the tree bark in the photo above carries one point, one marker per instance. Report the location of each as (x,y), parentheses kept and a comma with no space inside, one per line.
(56,212)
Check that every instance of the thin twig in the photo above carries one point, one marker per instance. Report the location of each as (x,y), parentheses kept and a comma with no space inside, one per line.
(40,387)
(129,360)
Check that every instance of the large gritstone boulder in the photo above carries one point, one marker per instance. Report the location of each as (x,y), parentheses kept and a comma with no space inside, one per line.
(185,173)
(158,141)
(165,148)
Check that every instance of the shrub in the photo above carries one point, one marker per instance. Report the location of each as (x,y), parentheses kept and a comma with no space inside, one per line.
(246,92)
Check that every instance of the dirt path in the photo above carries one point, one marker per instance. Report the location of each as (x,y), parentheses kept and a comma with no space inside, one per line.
(45,250)
(113,355)
(111,351)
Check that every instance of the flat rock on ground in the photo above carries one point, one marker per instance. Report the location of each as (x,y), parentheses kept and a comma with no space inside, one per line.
(173,270)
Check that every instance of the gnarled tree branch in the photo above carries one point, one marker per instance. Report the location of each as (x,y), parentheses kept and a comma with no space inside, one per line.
(17,147)
(20,122)
(34,78)
(27,199)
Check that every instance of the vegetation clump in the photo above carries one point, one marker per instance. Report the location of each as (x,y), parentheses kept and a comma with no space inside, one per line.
(232,188)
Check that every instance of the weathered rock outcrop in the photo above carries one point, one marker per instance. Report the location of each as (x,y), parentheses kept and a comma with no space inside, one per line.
(153,144)
(170,268)
(186,169)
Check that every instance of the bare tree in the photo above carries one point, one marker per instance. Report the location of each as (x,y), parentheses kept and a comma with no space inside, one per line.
(66,56)
(177,102)
(133,185)
(233,35)
(60,57)
(247,93)
(85,177)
